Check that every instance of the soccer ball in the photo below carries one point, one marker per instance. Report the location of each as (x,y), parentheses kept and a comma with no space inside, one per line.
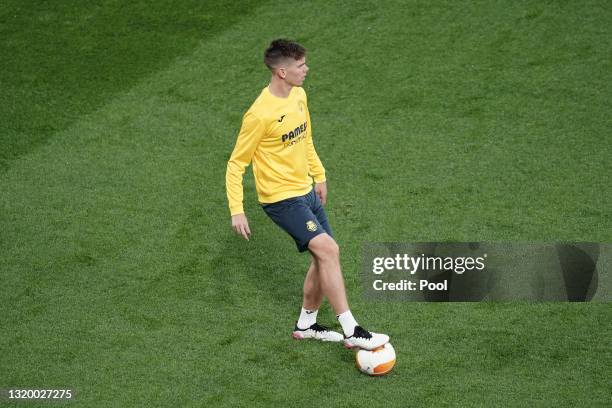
(379,361)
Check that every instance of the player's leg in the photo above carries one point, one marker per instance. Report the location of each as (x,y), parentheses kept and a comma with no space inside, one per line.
(337,283)
(307,326)
(313,294)
(294,216)
(313,297)
(327,253)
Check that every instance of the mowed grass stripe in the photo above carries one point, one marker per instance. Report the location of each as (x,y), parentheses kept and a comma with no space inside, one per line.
(88,222)
(63,59)
(122,270)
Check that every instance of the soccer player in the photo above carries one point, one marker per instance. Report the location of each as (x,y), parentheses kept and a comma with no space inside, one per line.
(276,136)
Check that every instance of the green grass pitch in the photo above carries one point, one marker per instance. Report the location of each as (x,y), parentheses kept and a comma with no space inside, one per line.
(436,120)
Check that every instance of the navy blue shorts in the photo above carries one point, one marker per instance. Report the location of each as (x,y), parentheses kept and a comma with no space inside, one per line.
(301,217)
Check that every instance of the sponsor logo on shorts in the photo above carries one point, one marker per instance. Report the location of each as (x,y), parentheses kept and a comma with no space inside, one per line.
(311,226)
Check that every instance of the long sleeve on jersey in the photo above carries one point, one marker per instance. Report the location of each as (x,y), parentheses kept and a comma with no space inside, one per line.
(251,132)
(315,167)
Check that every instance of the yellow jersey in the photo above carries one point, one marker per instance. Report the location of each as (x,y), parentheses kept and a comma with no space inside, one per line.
(276,137)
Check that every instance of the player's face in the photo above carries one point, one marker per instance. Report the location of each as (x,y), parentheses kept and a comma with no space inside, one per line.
(295,71)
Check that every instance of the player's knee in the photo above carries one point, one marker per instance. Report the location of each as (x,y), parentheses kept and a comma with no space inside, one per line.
(324,248)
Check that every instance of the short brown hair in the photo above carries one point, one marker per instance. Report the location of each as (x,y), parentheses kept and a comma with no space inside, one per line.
(280,49)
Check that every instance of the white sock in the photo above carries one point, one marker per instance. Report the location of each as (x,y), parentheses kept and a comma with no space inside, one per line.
(307,318)
(348,323)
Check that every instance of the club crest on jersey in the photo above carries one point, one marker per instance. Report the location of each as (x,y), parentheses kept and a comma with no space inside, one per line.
(311,226)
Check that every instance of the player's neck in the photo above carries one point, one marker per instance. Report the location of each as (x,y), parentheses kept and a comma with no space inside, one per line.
(280,89)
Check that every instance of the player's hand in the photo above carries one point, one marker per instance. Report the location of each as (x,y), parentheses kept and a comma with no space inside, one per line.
(241,226)
(321,191)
